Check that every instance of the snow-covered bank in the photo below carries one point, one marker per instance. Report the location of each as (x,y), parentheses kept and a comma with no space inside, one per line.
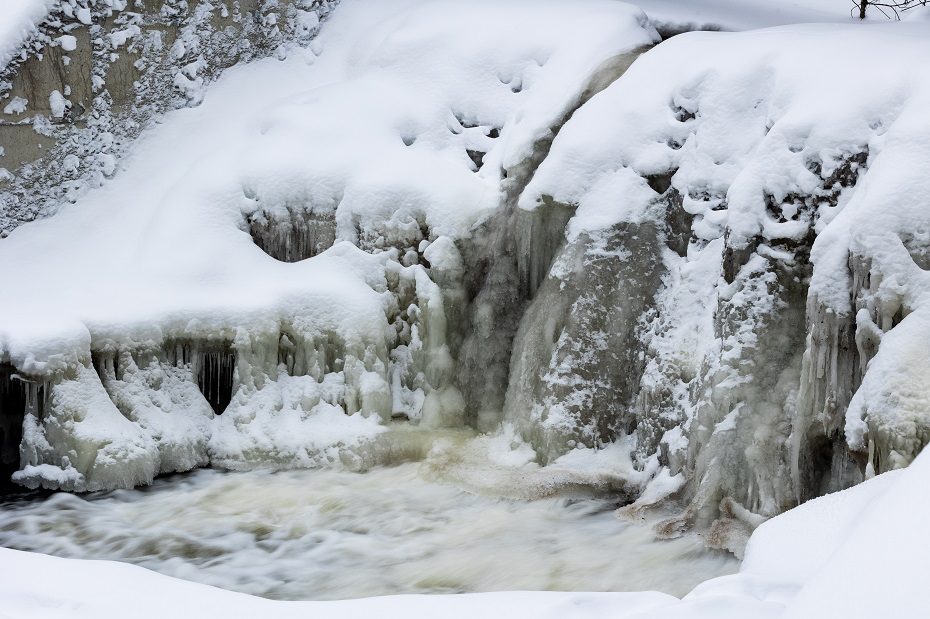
(805,563)
(673,16)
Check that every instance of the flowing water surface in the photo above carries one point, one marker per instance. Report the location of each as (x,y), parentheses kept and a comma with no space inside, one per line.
(327,534)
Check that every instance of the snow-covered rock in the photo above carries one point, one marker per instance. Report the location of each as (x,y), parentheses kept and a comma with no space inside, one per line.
(118,66)
(767,218)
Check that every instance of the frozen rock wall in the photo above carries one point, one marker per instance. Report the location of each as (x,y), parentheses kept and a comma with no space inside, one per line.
(96,73)
(772,364)
(292,283)
(507,258)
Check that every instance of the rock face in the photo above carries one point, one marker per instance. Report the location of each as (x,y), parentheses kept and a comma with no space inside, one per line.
(98,73)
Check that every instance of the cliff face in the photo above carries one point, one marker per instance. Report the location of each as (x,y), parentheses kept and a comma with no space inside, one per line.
(96,73)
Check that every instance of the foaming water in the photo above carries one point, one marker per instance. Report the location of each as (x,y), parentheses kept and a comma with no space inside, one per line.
(327,534)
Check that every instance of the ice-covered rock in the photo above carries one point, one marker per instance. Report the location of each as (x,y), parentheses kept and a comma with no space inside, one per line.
(790,239)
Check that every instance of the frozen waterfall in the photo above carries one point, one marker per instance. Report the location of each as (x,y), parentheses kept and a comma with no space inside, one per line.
(553,236)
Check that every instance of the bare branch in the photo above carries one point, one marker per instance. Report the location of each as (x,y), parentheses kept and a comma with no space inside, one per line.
(887,8)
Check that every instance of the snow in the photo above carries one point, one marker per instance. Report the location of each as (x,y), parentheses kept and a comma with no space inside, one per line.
(18,22)
(57,103)
(68,43)
(120,37)
(83,15)
(807,562)
(16,105)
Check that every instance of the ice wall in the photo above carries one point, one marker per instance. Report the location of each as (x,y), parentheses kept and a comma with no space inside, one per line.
(507,259)
(576,357)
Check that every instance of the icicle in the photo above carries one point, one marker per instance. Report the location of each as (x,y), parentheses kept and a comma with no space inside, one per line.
(294,236)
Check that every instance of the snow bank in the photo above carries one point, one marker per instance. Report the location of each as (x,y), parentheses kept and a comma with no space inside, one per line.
(673,16)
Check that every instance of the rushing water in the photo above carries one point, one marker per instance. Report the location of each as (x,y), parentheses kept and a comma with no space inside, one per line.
(327,534)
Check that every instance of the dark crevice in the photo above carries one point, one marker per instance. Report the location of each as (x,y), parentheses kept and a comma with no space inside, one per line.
(212,364)
(667,30)
(12,415)
(477,158)
(678,223)
(215,377)
(660,183)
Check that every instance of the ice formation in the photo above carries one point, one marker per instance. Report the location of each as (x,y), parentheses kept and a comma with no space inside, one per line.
(715,256)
